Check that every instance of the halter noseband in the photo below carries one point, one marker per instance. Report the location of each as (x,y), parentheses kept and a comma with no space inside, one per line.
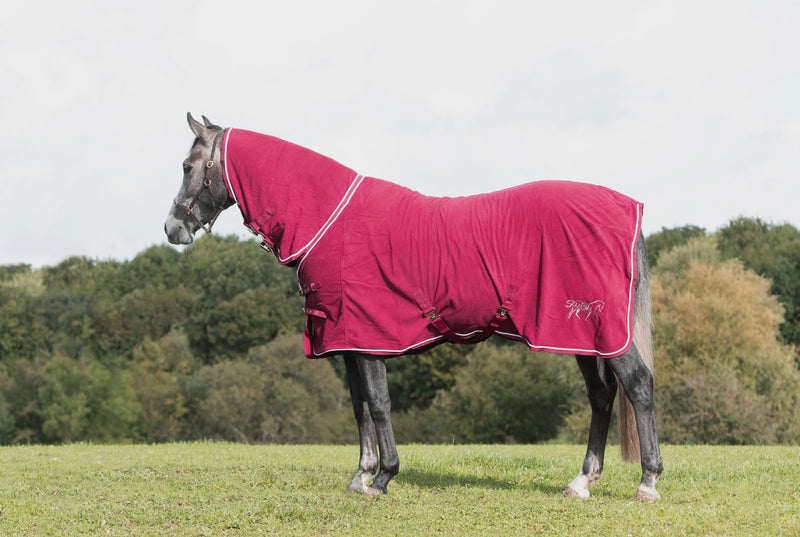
(218,207)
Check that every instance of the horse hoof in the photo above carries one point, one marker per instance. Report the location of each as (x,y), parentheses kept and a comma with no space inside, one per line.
(373,492)
(354,489)
(646,494)
(569,492)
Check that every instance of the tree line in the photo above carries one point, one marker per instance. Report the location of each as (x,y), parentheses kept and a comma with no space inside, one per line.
(205,344)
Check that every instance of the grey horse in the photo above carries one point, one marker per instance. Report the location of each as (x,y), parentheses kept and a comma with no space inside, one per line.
(204,194)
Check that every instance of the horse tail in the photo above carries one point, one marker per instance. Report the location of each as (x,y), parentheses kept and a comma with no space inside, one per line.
(643,340)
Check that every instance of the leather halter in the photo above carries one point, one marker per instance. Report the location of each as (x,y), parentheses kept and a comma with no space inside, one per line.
(218,207)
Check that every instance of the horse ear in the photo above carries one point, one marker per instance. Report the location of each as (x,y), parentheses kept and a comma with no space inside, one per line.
(210,125)
(196,127)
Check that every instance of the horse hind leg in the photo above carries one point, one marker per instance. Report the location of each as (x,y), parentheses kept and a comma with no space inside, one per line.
(601,389)
(634,370)
(643,341)
(637,380)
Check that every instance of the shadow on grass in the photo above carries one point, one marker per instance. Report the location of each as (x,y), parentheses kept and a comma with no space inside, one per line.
(438,480)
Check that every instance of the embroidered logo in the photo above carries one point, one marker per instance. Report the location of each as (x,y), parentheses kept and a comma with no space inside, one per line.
(582,309)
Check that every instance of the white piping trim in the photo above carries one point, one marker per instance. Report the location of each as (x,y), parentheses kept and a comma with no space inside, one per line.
(381,351)
(343,203)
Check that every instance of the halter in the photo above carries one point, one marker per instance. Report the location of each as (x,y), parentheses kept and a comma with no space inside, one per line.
(218,207)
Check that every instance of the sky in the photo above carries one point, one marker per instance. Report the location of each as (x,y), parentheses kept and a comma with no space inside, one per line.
(692,107)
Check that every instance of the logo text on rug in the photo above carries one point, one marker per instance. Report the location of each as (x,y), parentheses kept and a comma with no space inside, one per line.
(582,309)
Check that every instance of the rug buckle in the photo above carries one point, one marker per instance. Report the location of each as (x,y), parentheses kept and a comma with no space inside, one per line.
(432,314)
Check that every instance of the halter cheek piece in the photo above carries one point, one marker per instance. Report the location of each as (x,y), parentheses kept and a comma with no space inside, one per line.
(218,207)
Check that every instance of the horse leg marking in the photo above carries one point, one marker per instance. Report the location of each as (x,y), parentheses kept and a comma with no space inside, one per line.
(646,494)
(579,487)
(592,471)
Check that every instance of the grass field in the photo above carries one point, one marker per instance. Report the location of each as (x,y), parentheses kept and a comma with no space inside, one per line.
(227,489)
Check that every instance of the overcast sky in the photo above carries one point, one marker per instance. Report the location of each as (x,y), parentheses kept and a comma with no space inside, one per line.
(692,107)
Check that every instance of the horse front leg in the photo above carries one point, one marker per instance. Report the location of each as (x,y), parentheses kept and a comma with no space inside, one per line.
(637,381)
(601,387)
(369,393)
(368,440)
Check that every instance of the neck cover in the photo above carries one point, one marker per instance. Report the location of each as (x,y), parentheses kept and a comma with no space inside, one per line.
(386,270)
(288,195)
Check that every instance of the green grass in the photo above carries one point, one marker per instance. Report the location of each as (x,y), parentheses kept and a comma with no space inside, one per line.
(227,489)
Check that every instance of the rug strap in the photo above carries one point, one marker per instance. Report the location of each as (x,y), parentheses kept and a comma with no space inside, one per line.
(429,310)
(504,309)
(310,288)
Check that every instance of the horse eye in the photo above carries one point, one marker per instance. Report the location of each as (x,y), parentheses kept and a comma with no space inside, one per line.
(187,167)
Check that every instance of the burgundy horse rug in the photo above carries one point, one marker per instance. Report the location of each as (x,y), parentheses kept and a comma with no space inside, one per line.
(386,270)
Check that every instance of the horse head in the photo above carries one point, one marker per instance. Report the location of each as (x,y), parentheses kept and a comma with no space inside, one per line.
(203,194)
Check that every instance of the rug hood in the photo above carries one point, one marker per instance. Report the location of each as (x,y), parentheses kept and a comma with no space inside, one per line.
(277,186)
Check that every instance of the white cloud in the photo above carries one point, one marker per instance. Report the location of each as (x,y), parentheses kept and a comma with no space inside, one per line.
(691,107)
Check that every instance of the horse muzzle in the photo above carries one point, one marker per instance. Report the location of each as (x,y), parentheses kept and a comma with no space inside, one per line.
(177,232)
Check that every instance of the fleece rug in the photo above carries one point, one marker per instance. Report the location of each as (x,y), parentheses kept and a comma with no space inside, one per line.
(386,270)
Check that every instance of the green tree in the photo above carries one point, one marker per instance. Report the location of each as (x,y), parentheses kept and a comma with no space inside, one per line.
(415,381)
(8,424)
(9,271)
(65,408)
(773,251)
(76,288)
(23,313)
(21,380)
(81,399)
(219,268)
(98,349)
(250,319)
(669,238)
(712,407)
(155,371)
(507,393)
(157,265)
(150,312)
(275,395)
(216,270)
(717,322)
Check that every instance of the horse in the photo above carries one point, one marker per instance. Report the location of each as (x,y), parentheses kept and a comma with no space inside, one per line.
(368,299)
